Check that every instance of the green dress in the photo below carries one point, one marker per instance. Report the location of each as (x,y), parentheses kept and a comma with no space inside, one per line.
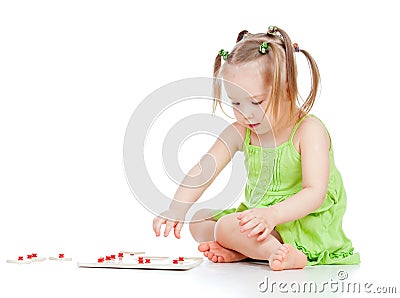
(274,174)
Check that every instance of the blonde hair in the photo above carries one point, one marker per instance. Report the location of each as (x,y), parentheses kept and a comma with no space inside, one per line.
(278,64)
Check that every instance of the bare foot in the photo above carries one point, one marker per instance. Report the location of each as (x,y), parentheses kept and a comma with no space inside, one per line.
(287,257)
(219,254)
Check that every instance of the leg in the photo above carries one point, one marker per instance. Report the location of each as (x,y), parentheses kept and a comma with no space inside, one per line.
(202,229)
(280,256)
(202,226)
(230,245)
(227,233)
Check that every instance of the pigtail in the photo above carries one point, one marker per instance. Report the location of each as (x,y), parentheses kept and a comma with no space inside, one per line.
(217,82)
(291,69)
(291,72)
(315,82)
(241,35)
(273,102)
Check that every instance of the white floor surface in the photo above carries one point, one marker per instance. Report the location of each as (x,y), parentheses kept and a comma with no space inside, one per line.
(243,279)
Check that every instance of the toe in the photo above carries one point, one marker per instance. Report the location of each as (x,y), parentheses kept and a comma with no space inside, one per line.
(215,259)
(204,246)
(220,259)
(280,250)
(276,266)
(283,247)
(282,253)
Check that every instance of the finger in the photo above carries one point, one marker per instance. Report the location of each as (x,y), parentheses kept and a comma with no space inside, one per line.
(241,214)
(259,228)
(178,229)
(155,225)
(251,224)
(264,234)
(157,222)
(168,226)
(245,219)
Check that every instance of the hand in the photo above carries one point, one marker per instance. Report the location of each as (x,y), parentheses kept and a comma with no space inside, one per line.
(171,220)
(261,221)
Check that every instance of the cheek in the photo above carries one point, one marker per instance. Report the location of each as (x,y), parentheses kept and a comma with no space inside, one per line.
(263,107)
(237,113)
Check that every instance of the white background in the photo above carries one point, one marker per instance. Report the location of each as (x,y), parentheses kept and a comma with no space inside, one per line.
(72,73)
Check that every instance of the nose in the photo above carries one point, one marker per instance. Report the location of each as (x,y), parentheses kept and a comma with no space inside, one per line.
(248,112)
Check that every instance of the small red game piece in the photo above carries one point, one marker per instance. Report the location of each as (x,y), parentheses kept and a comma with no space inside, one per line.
(147,261)
(140,261)
(112,257)
(20,258)
(120,255)
(29,257)
(100,260)
(181,259)
(34,255)
(108,258)
(60,257)
(174,261)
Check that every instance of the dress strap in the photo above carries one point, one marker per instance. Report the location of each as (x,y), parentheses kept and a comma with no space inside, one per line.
(297,126)
(247,139)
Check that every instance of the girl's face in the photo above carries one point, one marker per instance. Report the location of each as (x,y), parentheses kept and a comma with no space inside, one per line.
(249,93)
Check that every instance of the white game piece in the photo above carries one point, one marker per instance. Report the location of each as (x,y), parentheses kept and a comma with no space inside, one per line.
(33,258)
(133,252)
(38,259)
(153,257)
(19,261)
(60,258)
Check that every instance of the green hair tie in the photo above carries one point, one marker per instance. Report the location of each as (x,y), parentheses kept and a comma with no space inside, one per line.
(264,47)
(224,54)
(272,30)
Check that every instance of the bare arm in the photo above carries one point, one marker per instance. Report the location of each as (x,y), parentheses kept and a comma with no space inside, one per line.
(200,177)
(314,150)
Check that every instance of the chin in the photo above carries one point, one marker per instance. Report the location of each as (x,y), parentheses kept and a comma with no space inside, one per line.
(262,130)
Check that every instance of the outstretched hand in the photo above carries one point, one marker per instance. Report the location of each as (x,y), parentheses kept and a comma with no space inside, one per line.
(171,220)
(260,221)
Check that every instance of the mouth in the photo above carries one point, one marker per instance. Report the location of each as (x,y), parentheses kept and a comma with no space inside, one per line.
(254,125)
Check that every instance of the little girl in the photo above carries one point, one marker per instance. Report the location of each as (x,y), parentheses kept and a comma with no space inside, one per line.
(293,212)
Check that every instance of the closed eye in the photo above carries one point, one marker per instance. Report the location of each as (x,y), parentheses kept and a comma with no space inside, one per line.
(257,103)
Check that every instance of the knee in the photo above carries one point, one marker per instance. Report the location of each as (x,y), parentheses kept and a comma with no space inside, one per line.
(201,215)
(194,230)
(195,225)
(224,229)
